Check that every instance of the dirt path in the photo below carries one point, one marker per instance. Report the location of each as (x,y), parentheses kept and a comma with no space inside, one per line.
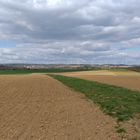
(37,107)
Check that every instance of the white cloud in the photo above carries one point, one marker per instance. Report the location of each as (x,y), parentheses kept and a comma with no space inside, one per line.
(85,31)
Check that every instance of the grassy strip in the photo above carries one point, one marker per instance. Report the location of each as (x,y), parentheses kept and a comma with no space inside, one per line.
(15,71)
(117,102)
(53,70)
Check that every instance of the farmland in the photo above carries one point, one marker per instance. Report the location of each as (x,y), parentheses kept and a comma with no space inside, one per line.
(36,105)
(120,103)
(126,79)
(69,70)
(50,70)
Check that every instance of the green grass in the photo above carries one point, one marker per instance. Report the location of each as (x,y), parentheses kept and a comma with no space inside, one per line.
(117,102)
(53,70)
(15,71)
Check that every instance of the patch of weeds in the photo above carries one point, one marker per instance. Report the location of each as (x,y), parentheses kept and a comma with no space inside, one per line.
(120,129)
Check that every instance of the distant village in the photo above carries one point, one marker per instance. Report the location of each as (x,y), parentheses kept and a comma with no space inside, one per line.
(60,66)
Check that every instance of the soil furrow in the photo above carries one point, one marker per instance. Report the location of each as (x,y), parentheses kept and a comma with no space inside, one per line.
(37,107)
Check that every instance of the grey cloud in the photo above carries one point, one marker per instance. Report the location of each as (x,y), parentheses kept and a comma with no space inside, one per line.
(74,31)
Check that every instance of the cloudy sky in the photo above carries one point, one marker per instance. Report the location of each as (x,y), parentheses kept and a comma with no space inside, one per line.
(70,31)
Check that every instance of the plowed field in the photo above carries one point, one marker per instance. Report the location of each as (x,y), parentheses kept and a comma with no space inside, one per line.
(37,107)
(130,80)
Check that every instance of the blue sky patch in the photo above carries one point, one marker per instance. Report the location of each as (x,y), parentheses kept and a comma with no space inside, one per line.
(7,43)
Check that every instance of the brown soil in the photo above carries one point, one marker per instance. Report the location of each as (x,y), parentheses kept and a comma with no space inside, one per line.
(102,72)
(130,82)
(130,79)
(132,128)
(98,72)
(37,107)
